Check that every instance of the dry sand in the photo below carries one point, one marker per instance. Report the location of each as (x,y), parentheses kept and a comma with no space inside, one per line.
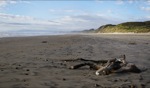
(35,62)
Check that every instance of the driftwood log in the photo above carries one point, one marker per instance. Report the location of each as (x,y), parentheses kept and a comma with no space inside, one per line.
(105,67)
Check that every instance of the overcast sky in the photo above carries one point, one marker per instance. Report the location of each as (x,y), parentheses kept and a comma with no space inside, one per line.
(70,15)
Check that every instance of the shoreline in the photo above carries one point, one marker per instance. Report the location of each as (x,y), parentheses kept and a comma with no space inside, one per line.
(75,34)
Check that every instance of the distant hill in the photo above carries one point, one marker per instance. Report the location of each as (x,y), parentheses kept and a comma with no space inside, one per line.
(136,27)
(92,30)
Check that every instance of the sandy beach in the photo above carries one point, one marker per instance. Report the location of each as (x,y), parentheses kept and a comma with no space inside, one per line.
(37,62)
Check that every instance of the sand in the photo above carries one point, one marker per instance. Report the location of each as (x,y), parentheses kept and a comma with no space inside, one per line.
(36,62)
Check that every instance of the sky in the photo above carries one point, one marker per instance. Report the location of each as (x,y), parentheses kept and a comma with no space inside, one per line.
(69,15)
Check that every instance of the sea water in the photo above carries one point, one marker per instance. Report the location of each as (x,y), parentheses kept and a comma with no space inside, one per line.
(33,33)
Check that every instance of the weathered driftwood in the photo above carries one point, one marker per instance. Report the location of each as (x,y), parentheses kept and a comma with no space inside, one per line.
(130,67)
(85,60)
(105,67)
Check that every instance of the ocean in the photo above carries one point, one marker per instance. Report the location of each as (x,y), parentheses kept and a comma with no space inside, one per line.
(31,33)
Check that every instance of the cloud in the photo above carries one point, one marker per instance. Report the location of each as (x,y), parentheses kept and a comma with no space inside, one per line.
(9,22)
(66,12)
(61,10)
(119,2)
(17,22)
(4,3)
(99,1)
(23,19)
(148,17)
(68,19)
(131,1)
(146,8)
(81,22)
(148,2)
(52,10)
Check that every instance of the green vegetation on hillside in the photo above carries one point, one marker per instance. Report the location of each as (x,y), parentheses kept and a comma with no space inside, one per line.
(136,27)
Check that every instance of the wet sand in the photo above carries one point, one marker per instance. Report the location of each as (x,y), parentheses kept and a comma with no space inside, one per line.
(36,62)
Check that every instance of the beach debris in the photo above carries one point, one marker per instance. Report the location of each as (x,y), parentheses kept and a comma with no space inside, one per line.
(64,79)
(106,67)
(132,43)
(96,85)
(27,69)
(17,68)
(26,73)
(44,41)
